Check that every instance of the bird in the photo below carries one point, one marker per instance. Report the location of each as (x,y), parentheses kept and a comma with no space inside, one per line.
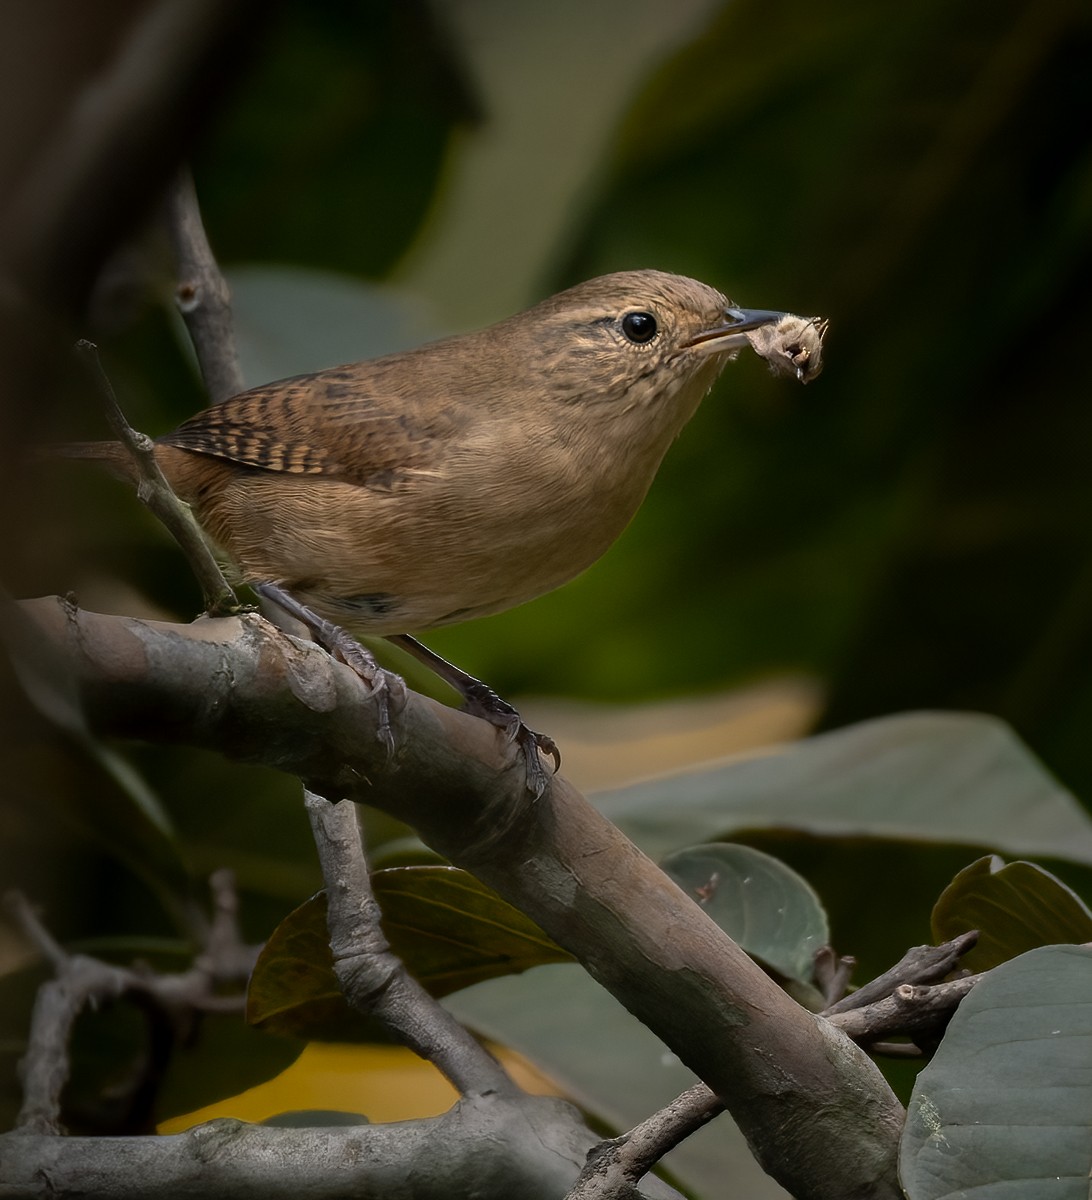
(465,476)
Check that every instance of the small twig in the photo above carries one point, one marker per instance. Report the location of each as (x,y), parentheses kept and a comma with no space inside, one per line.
(833,973)
(155,492)
(81,981)
(373,980)
(909,1009)
(202,294)
(900,1001)
(615,1167)
(920,964)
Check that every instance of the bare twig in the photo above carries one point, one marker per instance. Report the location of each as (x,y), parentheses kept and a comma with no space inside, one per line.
(900,1002)
(373,980)
(909,1009)
(833,973)
(202,294)
(920,964)
(615,1167)
(155,492)
(81,981)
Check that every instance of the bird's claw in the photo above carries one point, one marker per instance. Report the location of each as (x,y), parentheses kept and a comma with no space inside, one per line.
(385,689)
(483,702)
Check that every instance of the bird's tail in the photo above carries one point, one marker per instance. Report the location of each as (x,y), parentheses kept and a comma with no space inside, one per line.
(111,456)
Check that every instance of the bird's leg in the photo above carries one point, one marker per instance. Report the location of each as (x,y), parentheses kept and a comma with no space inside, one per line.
(344,647)
(482,701)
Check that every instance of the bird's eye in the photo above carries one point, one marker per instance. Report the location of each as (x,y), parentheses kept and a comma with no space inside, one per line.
(639,327)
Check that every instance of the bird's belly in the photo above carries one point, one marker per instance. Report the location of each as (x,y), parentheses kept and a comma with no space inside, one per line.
(410,560)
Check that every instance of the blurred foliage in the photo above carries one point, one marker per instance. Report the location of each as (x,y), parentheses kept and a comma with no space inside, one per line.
(912,530)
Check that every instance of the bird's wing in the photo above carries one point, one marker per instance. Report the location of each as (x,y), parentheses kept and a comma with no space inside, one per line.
(341,423)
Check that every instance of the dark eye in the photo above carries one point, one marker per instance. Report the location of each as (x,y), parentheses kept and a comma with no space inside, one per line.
(639,327)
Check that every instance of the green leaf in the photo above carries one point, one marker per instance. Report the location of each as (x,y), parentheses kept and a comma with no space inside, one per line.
(758,901)
(935,777)
(449,930)
(1015,908)
(1002,1111)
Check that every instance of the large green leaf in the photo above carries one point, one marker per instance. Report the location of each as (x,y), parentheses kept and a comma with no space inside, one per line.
(933,777)
(449,930)
(759,902)
(1004,1109)
(1015,908)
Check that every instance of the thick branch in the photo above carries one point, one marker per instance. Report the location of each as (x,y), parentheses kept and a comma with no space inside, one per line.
(373,980)
(816,1111)
(536,1146)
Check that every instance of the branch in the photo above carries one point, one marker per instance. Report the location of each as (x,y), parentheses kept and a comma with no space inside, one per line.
(107,144)
(373,980)
(156,494)
(889,1004)
(815,1110)
(81,982)
(920,964)
(536,1146)
(202,294)
(910,1010)
(615,1167)
(897,1002)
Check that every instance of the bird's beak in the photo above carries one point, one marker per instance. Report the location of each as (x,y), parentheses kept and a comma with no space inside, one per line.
(737,321)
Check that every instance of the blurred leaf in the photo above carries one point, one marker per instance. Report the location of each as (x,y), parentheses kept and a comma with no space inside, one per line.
(448,929)
(332,151)
(1015,908)
(1002,1110)
(936,777)
(347,320)
(122,813)
(225,1057)
(314,1118)
(763,905)
(220,1056)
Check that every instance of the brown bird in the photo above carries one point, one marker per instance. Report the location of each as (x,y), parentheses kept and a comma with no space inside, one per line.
(467,476)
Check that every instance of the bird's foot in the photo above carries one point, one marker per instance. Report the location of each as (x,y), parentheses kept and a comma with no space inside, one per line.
(482,701)
(384,687)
